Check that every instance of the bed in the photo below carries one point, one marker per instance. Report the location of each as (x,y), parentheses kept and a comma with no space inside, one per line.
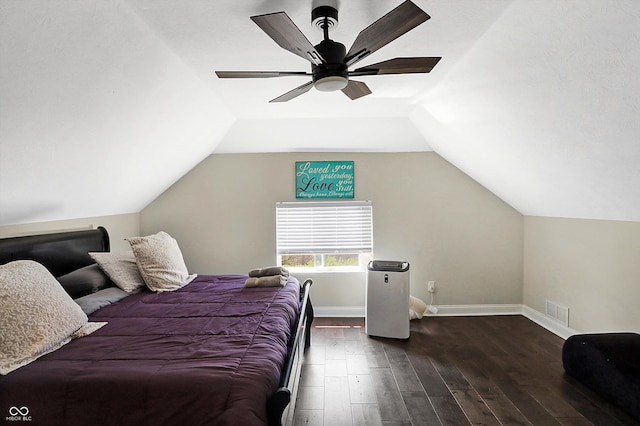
(212,352)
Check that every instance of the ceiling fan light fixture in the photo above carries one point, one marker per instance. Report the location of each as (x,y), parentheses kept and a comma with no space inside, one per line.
(331,83)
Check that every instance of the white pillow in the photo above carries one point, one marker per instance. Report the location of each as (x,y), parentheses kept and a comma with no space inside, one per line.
(121,268)
(36,315)
(160,262)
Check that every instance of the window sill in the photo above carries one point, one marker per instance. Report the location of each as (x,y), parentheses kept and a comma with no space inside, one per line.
(295,271)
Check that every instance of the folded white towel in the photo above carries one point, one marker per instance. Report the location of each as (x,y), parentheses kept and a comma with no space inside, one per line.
(268,281)
(269,271)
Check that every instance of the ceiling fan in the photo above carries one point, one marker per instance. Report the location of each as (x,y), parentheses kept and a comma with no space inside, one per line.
(330,60)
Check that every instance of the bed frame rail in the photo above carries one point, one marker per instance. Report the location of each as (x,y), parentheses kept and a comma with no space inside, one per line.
(281,405)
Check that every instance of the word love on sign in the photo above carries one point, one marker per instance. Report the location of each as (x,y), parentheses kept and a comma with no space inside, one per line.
(324,179)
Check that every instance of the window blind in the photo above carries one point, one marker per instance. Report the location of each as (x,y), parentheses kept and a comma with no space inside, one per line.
(324,227)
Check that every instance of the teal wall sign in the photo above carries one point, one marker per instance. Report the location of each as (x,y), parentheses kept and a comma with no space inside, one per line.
(324,179)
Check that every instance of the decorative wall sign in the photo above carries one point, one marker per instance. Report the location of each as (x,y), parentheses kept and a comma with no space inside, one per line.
(324,179)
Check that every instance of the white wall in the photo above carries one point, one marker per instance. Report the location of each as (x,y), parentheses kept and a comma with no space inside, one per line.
(425,211)
(590,266)
(118,226)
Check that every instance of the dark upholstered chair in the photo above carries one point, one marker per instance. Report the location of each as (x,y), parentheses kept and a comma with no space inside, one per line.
(609,364)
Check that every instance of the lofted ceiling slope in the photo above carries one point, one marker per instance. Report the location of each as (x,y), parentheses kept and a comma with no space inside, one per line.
(104,105)
(543,111)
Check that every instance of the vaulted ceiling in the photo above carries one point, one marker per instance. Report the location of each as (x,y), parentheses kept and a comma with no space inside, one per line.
(105,104)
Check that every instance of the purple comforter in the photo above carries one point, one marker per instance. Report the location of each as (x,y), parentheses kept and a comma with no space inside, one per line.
(210,353)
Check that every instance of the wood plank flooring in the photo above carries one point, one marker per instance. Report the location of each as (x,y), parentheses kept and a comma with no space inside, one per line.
(493,370)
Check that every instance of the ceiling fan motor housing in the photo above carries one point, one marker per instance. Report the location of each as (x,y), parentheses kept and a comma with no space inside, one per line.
(332,75)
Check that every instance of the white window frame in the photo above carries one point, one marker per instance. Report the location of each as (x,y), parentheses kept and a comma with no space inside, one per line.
(323,228)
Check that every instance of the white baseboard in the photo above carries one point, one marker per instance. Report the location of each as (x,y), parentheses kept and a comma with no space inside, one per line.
(476,310)
(539,318)
(551,324)
(338,311)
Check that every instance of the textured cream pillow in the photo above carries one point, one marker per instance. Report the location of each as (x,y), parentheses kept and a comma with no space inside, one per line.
(36,315)
(121,268)
(160,262)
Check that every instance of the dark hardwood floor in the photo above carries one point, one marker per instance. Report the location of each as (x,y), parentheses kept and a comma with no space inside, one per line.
(452,370)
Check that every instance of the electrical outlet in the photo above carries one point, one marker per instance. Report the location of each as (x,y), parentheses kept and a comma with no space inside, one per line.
(431,286)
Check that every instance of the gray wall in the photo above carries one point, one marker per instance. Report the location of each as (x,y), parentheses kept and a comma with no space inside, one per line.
(477,249)
(590,266)
(425,211)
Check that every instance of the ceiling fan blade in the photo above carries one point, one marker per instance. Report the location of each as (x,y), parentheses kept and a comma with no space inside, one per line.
(258,74)
(356,89)
(386,29)
(398,66)
(283,31)
(294,93)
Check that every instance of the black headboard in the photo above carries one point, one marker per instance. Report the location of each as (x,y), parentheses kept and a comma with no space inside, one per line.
(60,253)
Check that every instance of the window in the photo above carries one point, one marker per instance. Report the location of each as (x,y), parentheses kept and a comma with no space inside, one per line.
(324,235)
